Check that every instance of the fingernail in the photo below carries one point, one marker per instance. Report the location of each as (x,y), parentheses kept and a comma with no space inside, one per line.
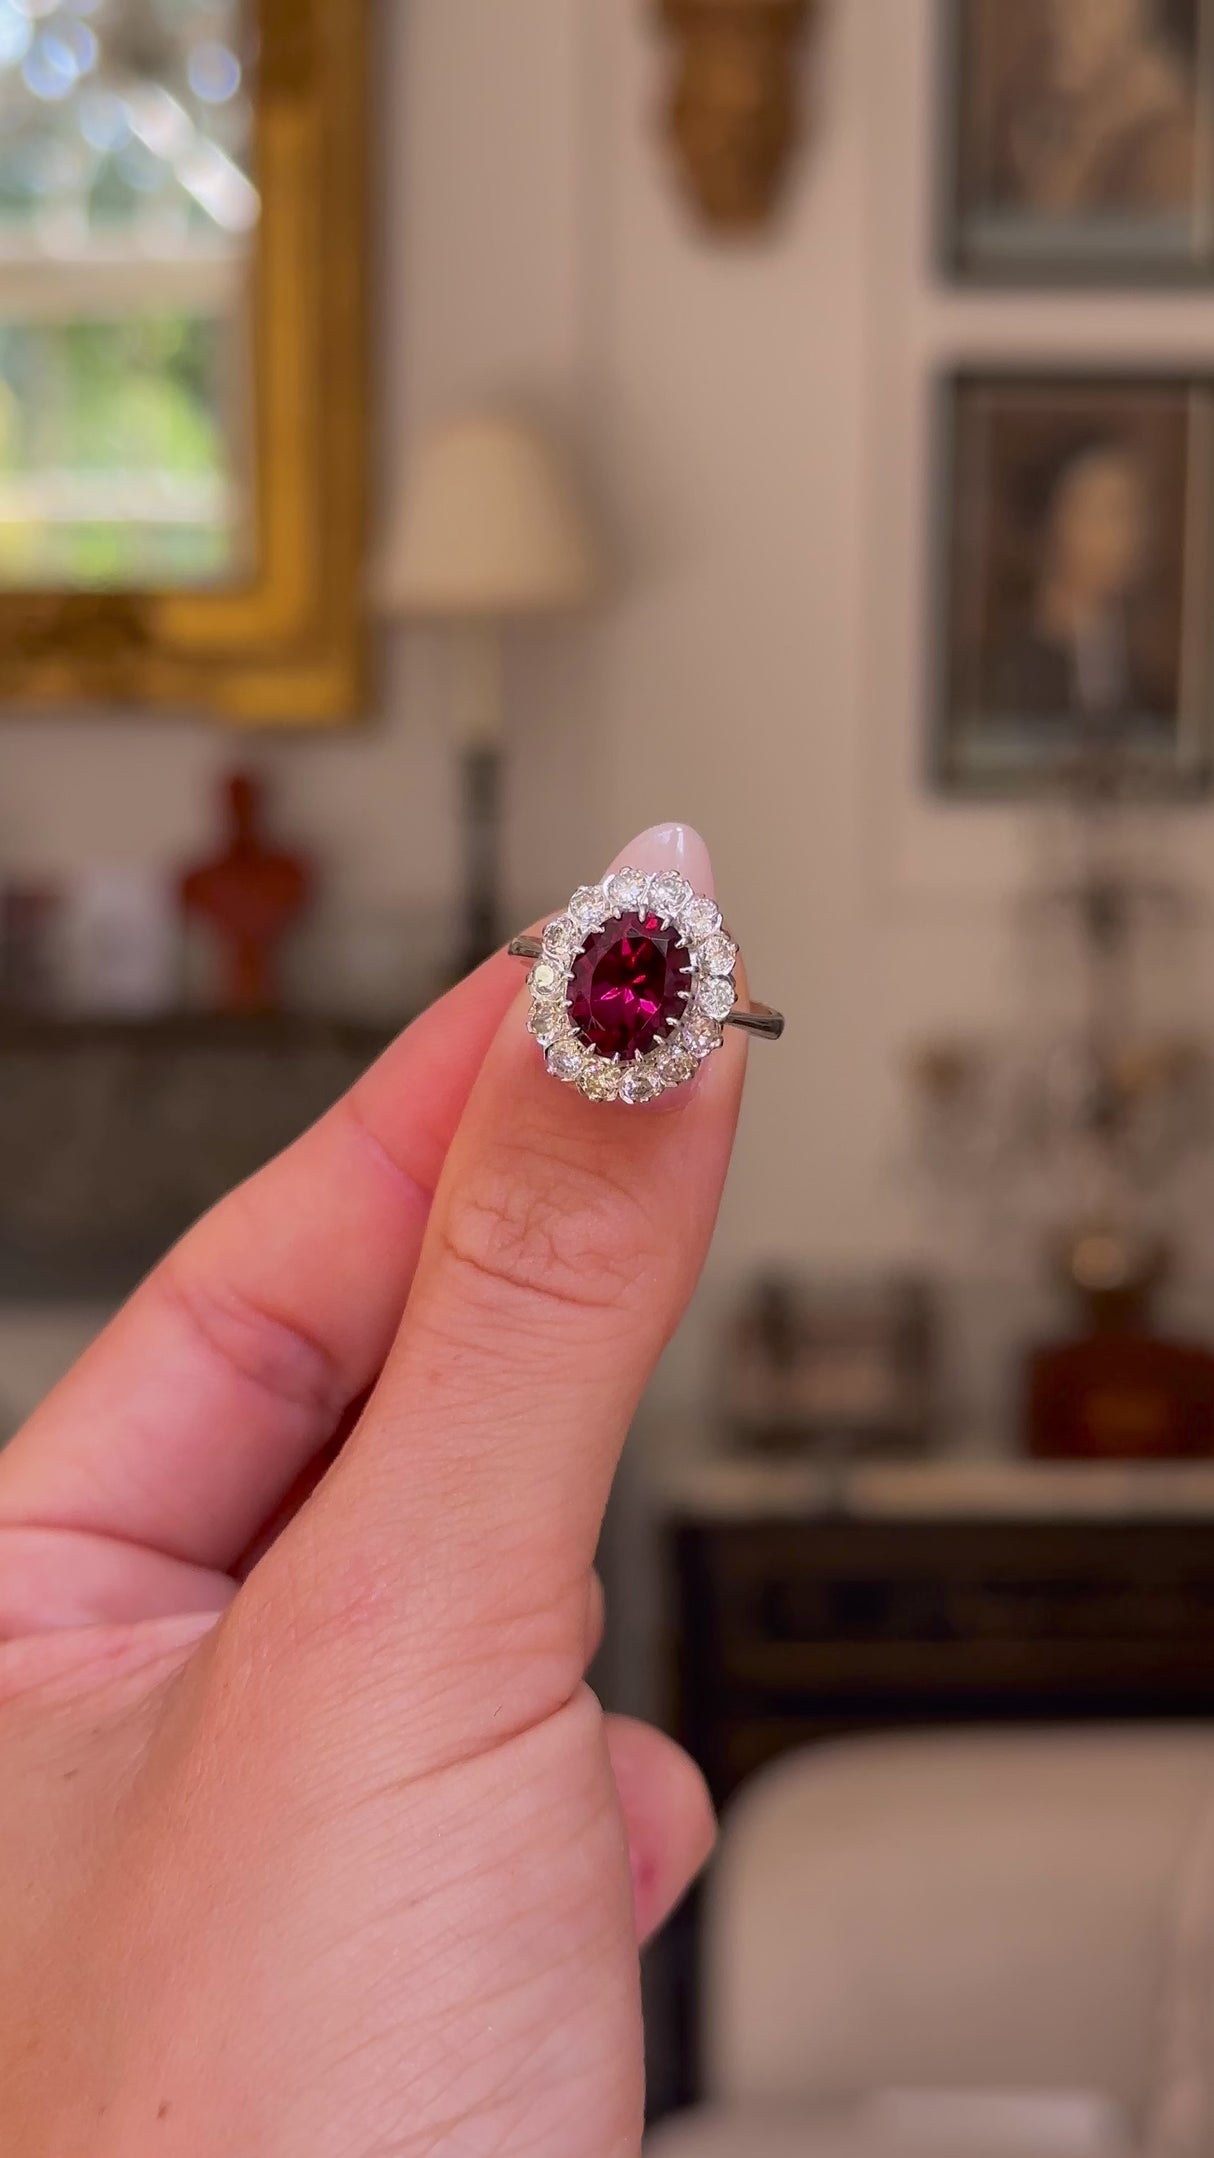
(670,846)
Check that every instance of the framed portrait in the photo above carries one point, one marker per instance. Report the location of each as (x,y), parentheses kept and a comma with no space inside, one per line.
(1080,147)
(1076,580)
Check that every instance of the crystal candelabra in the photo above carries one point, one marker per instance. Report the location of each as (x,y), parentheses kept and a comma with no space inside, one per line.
(1090,1134)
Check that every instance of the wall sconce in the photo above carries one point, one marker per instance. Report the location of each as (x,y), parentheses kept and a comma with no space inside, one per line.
(734,112)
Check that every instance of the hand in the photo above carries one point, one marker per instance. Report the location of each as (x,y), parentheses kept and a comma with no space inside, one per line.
(329,1854)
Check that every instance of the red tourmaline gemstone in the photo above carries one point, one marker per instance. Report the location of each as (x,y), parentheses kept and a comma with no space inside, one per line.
(626,985)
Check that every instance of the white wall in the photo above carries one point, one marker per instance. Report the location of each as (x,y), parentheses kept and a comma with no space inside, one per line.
(754,420)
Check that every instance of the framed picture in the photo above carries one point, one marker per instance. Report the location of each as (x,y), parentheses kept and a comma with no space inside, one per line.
(1076,574)
(1080,141)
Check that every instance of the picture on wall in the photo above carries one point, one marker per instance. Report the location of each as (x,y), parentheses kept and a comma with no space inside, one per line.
(1077,580)
(1081,140)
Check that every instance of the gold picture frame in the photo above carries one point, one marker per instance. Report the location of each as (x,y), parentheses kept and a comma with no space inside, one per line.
(287,646)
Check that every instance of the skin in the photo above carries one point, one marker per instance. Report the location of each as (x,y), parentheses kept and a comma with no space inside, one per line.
(338,1854)
(1095,543)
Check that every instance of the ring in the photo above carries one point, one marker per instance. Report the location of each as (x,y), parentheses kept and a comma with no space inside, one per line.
(633,986)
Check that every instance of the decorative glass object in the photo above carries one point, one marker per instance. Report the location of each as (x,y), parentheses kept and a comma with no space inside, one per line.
(1087,1135)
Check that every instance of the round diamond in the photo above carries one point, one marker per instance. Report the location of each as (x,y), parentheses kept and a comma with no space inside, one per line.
(640,1085)
(598,1080)
(628,983)
(700,919)
(588,906)
(717,996)
(719,955)
(701,1036)
(561,939)
(545,978)
(565,1059)
(677,1066)
(547,1021)
(627,889)
(668,894)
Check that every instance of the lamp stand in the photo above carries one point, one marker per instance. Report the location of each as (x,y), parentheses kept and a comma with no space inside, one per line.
(477,709)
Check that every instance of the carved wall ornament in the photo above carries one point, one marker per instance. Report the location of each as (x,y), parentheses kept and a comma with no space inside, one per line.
(735,108)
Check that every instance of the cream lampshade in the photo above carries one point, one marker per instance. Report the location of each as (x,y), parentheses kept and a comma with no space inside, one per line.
(490,527)
(491,530)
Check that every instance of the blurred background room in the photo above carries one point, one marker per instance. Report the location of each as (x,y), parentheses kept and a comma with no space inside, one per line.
(439,438)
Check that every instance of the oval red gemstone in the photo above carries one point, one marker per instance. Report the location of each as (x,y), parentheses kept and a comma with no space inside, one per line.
(628,982)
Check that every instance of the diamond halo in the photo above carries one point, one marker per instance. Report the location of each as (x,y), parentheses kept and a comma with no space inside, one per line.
(693,1034)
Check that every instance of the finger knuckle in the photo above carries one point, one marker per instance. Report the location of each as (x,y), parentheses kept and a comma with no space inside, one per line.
(530,1234)
(258,1347)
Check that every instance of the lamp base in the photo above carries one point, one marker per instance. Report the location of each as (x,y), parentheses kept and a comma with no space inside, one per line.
(482,790)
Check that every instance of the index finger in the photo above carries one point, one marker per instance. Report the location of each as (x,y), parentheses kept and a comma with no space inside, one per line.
(188,1419)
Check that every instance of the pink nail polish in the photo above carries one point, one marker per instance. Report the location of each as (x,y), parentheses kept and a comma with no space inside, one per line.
(670,846)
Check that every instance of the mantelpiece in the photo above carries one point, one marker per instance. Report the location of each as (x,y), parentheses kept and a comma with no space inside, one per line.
(733,1487)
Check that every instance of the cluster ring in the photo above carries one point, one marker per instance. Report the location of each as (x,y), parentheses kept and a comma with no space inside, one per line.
(633,986)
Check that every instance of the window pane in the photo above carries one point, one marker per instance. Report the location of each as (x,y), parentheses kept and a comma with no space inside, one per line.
(128,214)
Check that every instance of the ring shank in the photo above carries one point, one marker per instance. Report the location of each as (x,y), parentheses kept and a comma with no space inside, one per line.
(757,1019)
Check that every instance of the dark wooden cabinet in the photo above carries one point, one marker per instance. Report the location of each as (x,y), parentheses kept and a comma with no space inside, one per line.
(116,1134)
(788,1630)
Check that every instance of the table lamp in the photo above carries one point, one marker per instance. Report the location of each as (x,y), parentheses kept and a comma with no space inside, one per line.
(491,530)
